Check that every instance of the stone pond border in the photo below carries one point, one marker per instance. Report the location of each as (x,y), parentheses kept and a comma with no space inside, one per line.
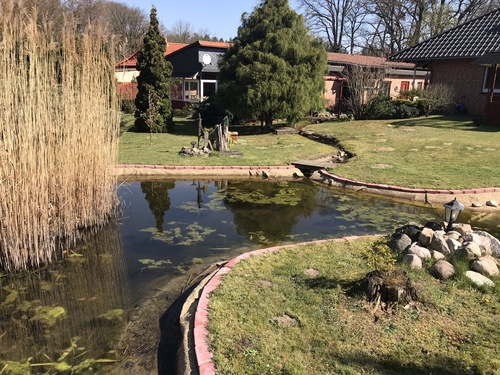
(203,355)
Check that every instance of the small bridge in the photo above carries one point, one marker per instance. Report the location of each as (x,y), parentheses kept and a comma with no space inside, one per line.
(309,167)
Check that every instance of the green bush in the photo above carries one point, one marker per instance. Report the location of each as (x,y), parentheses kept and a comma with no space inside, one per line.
(185,112)
(384,108)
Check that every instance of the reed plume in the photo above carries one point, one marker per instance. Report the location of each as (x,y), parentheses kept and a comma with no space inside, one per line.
(59,124)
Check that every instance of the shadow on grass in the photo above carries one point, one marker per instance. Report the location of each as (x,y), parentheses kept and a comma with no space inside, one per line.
(457,122)
(351,288)
(435,364)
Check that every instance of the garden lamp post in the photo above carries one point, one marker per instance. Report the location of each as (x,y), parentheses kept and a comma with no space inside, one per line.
(451,212)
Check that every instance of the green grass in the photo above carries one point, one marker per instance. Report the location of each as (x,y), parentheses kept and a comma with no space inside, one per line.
(453,329)
(433,152)
(256,149)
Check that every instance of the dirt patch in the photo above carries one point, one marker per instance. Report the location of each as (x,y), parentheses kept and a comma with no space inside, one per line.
(386,149)
(382,166)
(311,272)
(285,321)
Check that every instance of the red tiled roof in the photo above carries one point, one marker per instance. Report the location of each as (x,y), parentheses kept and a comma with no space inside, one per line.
(205,43)
(344,58)
(131,61)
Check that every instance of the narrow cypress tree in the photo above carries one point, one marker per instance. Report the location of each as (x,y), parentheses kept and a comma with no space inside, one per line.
(275,67)
(154,108)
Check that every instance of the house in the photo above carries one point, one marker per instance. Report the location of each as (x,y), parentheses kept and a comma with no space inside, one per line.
(126,71)
(464,58)
(398,76)
(195,71)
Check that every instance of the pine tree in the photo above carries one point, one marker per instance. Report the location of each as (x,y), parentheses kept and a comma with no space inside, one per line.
(275,67)
(154,108)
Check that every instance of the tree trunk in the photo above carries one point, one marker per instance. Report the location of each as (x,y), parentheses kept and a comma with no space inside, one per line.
(389,287)
(269,119)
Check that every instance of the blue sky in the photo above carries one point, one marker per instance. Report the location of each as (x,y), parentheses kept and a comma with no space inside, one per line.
(221,18)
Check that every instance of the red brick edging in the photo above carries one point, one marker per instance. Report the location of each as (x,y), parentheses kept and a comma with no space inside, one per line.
(204,357)
(347,181)
(204,167)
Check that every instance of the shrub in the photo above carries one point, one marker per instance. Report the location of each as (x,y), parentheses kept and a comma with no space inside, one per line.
(380,108)
(212,113)
(186,111)
(435,98)
(379,255)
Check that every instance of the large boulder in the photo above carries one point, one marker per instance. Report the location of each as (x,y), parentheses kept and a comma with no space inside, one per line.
(462,228)
(410,230)
(443,270)
(422,252)
(453,245)
(478,279)
(433,225)
(486,266)
(494,242)
(468,250)
(425,237)
(400,242)
(437,255)
(413,261)
(438,243)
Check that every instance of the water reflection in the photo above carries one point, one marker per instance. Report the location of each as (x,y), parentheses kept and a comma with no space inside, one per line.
(71,313)
(65,315)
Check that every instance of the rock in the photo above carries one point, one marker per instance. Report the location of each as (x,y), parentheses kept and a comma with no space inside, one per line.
(425,237)
(453,245)
(437,255)
(439,243)
(491,203)
(433,225)
(265,174)
(311,273)
(476,204)
(478,279)
(462,228)
(413,261)
(486,266)
(410,230)
(454,235)
(422,252)
(484,242)
(443,269)
(494,242)
(469,250)
(400,242)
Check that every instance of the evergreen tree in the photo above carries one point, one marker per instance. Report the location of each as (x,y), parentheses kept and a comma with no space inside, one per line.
(154,108)
(275,67)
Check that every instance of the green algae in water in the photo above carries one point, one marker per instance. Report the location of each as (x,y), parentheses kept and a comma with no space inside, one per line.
(152,264)
(191,234)
(49,315)
(115,314)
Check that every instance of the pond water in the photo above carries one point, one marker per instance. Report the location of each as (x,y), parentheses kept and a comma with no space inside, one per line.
(68,316)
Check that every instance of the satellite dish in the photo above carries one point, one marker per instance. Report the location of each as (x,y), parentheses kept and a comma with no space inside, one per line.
(207,59)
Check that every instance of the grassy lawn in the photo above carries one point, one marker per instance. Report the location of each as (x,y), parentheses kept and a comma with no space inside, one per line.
(255,148)
(432,152)
(453,329)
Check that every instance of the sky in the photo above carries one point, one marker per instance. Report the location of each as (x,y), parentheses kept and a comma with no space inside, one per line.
(220,18)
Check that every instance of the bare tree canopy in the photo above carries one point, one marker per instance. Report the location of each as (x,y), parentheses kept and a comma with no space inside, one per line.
(183,32)
(384,27)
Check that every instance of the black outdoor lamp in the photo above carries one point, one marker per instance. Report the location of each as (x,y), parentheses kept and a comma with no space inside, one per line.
(452,211)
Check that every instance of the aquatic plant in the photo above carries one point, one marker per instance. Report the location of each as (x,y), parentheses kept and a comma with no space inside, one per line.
(59,122)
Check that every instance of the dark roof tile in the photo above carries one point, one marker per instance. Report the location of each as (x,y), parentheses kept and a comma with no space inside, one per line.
(469,40)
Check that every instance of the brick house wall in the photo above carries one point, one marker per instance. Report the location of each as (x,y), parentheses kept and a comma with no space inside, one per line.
(465,78)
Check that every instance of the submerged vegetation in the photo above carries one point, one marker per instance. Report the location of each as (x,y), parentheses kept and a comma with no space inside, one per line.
(59,123)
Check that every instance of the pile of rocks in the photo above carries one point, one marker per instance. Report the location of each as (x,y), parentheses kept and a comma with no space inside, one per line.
(194,151)
(432,242)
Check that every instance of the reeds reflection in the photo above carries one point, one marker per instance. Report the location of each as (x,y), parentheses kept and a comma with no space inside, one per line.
(69,314)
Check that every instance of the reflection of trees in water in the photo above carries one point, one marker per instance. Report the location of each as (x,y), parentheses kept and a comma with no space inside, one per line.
(157,196)
(267,212)
(82,297)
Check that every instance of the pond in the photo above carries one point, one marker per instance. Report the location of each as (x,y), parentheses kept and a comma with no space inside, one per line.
(71,316)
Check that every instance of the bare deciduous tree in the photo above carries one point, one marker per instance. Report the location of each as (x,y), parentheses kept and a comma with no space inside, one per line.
(365,84)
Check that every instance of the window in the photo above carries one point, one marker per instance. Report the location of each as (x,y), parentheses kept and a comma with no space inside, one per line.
(176,90)
(487,80)
(191,90)
(419,85)
(405,85)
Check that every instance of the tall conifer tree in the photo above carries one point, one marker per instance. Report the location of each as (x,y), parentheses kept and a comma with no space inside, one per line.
(154,108)
(275,67)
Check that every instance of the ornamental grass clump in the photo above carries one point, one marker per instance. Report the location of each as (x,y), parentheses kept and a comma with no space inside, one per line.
(59,123)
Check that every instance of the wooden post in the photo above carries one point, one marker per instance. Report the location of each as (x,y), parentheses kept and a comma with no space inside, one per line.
(492,82)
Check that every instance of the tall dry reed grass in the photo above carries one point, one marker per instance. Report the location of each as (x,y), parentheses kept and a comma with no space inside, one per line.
(59,124)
